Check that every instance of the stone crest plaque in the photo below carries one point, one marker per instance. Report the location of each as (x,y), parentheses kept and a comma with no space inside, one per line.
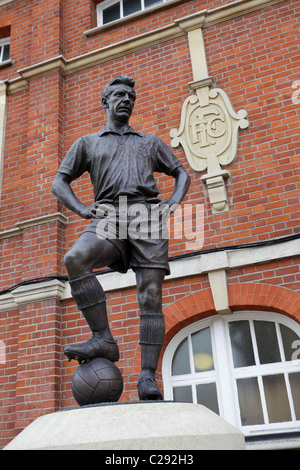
(208,133)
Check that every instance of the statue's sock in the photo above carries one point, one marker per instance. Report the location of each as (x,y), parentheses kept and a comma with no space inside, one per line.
(90,299)
(152,333)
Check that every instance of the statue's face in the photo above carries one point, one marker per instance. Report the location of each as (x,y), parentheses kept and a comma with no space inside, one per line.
(120,103)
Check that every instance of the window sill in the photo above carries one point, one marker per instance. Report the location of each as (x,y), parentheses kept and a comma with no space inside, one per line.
(6,63)
(273,442)
(134,16)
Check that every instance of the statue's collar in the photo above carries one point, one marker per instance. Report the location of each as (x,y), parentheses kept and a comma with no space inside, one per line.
(106,130)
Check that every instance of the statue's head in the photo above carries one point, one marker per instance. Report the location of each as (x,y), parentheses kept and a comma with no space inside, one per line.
(118,98)
(120,80)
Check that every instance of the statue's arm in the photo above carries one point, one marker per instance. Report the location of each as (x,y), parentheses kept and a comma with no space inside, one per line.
(63,191)
(182,184)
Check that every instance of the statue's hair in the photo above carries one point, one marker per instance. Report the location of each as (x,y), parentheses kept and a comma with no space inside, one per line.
(120,80)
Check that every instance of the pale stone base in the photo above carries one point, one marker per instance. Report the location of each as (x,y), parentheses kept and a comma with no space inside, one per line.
(131,426)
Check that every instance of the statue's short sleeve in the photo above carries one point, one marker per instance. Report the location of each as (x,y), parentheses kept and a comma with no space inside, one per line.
(165,161)
(75,162)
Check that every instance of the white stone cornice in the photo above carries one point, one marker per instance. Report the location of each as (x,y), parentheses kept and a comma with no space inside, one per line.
(7,303)
(43,68)
(5,2)
(24,224)
(40,291)
(14,232)
(44,219)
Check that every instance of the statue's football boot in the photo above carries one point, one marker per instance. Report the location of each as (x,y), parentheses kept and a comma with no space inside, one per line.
(96,346)
(148,389)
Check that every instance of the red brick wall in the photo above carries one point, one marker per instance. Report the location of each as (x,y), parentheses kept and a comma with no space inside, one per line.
(254,59)
(258,75)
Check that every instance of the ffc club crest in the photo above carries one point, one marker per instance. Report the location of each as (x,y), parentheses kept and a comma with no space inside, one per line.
(208,133)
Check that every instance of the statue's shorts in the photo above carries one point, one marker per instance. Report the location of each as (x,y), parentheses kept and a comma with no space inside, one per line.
(139,230)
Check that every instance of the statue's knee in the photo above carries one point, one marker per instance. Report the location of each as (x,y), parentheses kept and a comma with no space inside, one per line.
(74,264)
(150,296)
(68,261)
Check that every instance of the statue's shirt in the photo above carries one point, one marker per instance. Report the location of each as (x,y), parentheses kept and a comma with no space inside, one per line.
(120,164)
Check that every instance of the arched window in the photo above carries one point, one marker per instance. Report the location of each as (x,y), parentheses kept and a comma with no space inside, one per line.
(245,367)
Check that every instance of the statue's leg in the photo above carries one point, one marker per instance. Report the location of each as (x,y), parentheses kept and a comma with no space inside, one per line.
(90,298)
(152,329)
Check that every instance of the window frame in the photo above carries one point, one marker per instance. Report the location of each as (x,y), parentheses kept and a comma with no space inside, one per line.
(225,375)
(107,3)
(4,42)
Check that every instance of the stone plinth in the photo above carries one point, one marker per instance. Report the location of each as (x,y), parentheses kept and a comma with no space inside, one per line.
(131,426)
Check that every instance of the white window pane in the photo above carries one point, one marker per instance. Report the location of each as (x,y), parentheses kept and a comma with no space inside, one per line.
(241,343)
(150,3)
(267,344)
(5,52)
(288,338)
(131,6)
(183,394)
(111,13)
(249,401)
(207,396)
(202,350)
(276,398)
(181,363)
(295,387)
